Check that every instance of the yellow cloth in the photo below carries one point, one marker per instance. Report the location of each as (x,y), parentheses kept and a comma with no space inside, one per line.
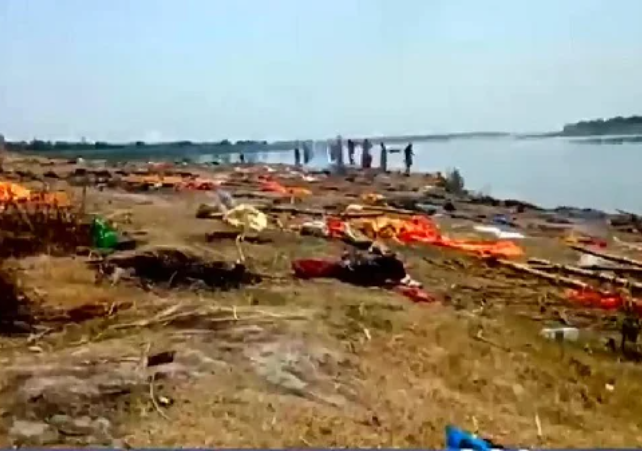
(246,217)
(381,227)
(371,198)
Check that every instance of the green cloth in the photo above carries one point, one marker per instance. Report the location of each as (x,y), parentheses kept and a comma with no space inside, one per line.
(103,236)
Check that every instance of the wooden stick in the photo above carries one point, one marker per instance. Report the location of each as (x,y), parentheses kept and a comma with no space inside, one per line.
(292,209)
(557,279)
(606,256)
(318,212)
(152,396)
(617,269)
(393,210)
(588,273)
(633,246)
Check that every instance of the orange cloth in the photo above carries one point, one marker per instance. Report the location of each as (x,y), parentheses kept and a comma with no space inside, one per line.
(153,179)
(201,184)
(420,229)
(275,187)
(58,199)
(12,192)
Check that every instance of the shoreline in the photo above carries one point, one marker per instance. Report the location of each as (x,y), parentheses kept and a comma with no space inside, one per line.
(416,180)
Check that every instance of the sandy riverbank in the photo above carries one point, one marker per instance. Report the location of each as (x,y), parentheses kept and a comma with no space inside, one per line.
(285,362)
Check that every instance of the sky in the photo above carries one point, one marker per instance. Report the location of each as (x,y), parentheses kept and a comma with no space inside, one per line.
(122,70)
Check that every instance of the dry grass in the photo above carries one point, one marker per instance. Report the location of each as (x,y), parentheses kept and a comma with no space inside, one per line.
(288,363)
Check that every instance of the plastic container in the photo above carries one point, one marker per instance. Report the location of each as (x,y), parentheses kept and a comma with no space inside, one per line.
(561,333)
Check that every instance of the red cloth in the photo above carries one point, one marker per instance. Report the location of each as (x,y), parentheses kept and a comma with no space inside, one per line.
(311,268)
(415,294)
(314,267)
(596,299)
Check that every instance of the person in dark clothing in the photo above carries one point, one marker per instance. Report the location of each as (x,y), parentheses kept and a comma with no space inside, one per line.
(351,148)
(384,158)
(242,158)
(366,157)
(339,152)
(297,157)
(408,154)
(307,153)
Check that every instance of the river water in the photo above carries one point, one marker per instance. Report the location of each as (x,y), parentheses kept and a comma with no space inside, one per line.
(548,172)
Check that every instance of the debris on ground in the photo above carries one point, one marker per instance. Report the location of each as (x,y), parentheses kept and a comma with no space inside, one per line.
(372,269)
(106,237)
(561,333)
(180,266)
(246,218)
(107,350)
(31,229)
(15,308)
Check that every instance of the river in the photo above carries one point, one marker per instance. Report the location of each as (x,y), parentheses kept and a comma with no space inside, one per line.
(548,172)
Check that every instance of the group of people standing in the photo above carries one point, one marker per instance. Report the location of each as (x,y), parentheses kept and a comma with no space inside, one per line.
(307,154)
(336,154)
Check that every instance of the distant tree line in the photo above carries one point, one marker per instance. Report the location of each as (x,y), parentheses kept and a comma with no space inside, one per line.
(615,126)
(38,145)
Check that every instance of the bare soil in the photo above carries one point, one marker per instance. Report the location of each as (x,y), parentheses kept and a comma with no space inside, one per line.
(315,363)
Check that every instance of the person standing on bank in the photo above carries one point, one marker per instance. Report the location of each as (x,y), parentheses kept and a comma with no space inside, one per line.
(384,158)
(307,153)
(366,158)
(339,152)
(351,147)
(408,154)
(297,156)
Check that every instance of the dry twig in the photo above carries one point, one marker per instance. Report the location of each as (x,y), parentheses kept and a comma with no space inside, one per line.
(152,396)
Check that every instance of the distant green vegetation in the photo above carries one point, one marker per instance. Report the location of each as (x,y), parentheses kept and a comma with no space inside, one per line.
(38,146)
(614,126)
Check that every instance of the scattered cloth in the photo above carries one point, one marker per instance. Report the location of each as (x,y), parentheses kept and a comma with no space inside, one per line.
(604,300)
(573,237)
(499,233)
(372,198)
(415,294)
(13,192)
(315,228)
(504,221)
(458,439)
(154,180)
(103,235)
(421,229)
(275,187)
(246,217)
(591,261)
(596,299)
(561,333)
(200,184)
(372,269)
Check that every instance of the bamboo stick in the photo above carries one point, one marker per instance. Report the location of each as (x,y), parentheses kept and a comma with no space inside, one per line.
(557,279)
(607,256)
(588,273)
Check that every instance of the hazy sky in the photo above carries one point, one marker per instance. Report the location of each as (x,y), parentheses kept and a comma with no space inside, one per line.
(270,69)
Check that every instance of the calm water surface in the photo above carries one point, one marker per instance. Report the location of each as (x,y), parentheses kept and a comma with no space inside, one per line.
(548,172)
